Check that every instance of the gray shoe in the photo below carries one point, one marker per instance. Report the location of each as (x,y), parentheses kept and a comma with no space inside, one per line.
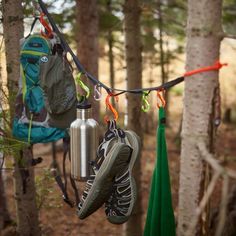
(119,206)
(113,157)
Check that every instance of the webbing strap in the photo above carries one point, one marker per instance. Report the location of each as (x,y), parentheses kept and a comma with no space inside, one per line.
(32,26)
(63,185)
(72,181)
(30,127)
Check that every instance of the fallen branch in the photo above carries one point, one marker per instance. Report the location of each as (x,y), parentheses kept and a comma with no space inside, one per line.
(229,36)
(209,158)
(223,206)
(203,203)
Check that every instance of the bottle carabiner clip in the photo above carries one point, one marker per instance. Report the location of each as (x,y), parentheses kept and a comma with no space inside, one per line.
(145,106)
(83,87)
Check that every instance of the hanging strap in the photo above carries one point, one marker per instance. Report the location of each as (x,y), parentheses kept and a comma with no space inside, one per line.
(57,176)
(32,26)
(56,173)
(73,184)
(30,127)
(72,181)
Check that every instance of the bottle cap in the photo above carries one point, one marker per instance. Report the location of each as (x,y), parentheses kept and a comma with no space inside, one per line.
(84,104)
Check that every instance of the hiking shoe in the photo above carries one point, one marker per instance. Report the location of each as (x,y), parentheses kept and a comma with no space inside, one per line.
(119,206)
(113,157)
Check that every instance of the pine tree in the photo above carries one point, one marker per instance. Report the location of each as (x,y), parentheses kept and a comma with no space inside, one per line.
(26,209)
(134,80)
(87,40)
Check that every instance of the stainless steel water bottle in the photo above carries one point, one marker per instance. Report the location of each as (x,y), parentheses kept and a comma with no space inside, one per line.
(84,142)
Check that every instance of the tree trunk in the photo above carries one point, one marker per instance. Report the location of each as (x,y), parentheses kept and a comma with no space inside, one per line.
(203,43)
(163,60)
(5,218)
(27,213)
(13,32)
(134,80)
(110,41)
(87,38)
(162,53)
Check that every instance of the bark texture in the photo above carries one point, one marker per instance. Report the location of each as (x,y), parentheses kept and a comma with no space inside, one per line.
(110,41)
(27,213)
(87,38)
(5,218)
(163,56)
(26,208)
(13,32)
(134,80)
(203,43)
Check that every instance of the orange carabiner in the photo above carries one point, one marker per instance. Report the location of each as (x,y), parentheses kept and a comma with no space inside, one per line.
(160,96)
(111,108)
(48,29)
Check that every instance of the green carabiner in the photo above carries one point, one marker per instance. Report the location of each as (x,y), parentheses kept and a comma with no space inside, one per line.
(145,106)
(83,86)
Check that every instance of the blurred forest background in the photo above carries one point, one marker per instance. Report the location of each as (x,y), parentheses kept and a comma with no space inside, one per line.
(132,44)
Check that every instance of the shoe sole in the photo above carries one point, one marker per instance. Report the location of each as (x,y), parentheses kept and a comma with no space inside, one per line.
(135,144)
(117,160)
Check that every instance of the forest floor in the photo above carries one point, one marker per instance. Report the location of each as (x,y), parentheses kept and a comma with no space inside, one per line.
(58,219)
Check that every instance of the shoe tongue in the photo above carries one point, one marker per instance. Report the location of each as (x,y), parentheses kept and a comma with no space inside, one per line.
(109,135)
(121,133)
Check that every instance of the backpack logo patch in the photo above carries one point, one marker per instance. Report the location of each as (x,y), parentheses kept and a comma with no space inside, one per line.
(44,59)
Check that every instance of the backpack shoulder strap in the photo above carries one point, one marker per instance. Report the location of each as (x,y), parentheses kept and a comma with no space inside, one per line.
(63,184)
(32,26)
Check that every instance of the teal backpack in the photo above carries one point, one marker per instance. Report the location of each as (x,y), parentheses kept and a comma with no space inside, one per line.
(31,118)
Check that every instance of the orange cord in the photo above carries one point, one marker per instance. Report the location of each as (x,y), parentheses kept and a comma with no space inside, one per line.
(216,66)
(110,107)
(160,96)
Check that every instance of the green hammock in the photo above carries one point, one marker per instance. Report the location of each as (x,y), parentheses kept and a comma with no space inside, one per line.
(160,219)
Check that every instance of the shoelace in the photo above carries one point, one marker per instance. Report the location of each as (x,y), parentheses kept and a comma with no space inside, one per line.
(119,201)
(88,186)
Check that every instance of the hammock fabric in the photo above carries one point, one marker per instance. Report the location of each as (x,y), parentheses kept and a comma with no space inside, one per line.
(160,219)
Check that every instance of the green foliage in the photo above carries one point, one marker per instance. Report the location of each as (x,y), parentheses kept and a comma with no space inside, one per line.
(45,197)
(171,20)
(177,90)
(148,27)
(108,21)
(8,144)
(175,18)
(229,16)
